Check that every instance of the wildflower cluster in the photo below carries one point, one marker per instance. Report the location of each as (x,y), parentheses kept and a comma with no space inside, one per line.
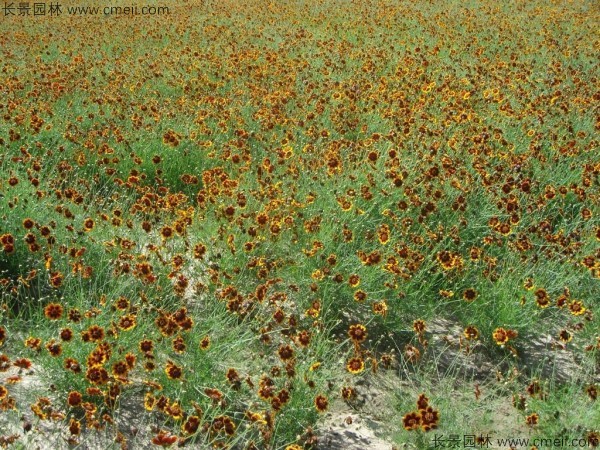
(232,218)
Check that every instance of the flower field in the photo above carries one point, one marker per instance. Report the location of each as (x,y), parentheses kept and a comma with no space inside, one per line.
(238,224)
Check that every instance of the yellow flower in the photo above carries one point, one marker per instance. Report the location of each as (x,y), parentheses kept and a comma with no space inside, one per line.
(355,365)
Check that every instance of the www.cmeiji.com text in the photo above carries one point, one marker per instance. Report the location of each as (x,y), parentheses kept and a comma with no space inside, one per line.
(26,9)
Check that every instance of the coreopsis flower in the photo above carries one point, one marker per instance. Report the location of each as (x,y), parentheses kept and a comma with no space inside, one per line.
(321,403)
(173,371)
(53,311)
(358,333)
(411,421)
(355,365)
